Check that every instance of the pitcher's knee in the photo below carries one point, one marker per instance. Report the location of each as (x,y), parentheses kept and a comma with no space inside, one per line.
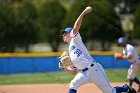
(74,85)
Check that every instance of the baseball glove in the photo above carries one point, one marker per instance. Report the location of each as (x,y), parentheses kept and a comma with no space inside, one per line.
(118,56)
(64,60)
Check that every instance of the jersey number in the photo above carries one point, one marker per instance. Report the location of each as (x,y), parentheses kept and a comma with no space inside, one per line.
(78,52)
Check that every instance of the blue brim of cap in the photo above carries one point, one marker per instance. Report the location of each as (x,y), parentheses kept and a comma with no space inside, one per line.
(68,30)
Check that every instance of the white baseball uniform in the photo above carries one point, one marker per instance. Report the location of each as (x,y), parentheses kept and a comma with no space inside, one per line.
(129,50)
(81,60)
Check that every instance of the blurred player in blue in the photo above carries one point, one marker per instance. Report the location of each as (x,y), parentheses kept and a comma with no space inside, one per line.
(88,69)
(130,54)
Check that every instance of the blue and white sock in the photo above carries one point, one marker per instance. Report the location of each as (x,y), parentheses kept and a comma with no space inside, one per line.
(72,91)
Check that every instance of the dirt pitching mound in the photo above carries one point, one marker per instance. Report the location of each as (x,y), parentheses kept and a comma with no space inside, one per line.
(52,88)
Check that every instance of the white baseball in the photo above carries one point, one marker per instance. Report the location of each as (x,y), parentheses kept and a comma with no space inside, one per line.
(89,8)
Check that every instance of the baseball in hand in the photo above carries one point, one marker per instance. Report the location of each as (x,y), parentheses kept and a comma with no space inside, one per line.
(88,9)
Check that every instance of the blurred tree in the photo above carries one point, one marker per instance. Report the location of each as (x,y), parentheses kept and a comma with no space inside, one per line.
(27,29)
(102,24)
(6,27)
(51,17)
(17,25)
(137,22)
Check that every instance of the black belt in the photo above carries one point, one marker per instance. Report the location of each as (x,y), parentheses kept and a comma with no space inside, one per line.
(85,69)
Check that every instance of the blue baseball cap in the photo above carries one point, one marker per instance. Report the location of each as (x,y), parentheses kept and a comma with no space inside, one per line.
(67,30)
(121,40)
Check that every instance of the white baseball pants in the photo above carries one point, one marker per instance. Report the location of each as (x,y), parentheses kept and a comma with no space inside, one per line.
(94,74)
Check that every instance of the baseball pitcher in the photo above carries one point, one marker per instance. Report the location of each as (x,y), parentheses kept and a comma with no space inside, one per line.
(88,70)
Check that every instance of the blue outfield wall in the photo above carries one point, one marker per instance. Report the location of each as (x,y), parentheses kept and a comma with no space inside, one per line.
(10,64)
(28,65)
(108,62)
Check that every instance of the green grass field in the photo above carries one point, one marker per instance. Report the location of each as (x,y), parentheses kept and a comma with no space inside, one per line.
(57,77)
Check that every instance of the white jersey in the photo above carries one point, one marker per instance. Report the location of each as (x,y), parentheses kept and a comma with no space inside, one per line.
(82,59)
(129,50)
(79,54)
